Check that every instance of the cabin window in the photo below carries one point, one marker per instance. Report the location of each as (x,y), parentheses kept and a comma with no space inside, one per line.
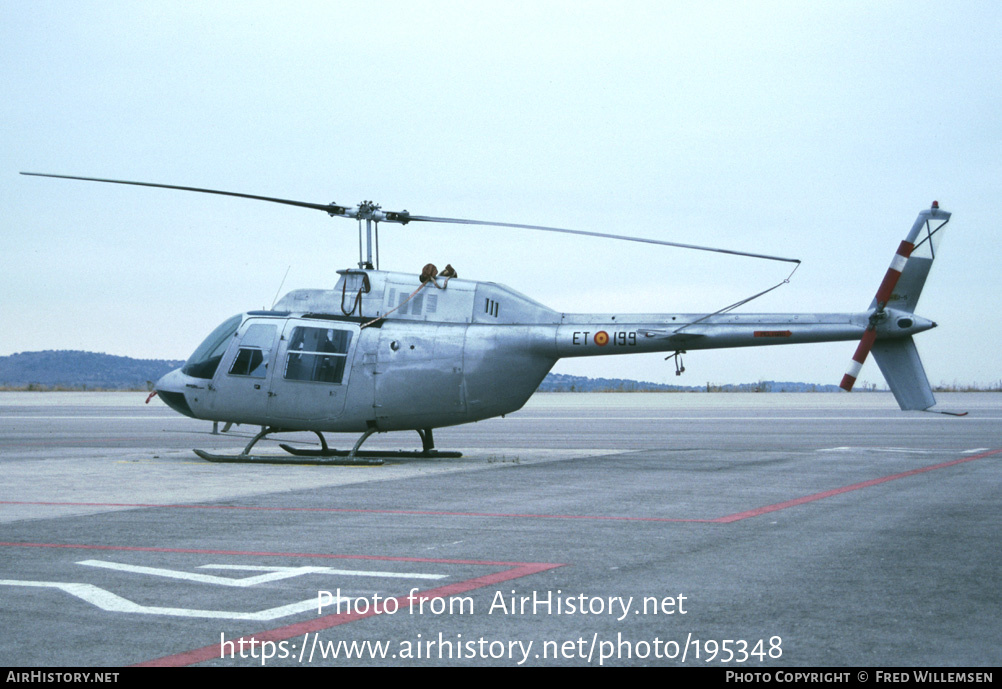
(317,354)
(249,362)
(255,348)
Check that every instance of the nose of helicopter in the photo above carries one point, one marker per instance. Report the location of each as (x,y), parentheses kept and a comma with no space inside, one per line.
(170,388)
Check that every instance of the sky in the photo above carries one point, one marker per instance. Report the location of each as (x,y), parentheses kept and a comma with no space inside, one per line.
(811,130)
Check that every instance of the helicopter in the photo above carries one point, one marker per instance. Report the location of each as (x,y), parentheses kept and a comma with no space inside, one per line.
(391,351)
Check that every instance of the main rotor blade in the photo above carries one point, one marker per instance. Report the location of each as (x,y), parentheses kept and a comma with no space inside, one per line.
(331,208)
(367,210)
(645,240)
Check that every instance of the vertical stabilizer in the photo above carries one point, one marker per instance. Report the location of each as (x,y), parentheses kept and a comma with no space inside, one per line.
(899,362)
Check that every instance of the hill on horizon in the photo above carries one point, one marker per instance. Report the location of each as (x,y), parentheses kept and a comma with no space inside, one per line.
(78,370)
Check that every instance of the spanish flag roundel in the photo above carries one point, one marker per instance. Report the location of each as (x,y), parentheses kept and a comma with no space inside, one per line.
(601,338)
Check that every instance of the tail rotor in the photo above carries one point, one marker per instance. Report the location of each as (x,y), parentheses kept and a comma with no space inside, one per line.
(907,263)
(884,293)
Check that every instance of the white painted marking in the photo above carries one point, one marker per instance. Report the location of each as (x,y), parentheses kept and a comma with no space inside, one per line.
(106,600)
(537,418)
(286,573)
(84,417)
(897,450)
(898,263)
(273,573)
(892,415)
(330,570)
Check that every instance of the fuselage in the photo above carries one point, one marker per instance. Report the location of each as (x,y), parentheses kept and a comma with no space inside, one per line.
(382,351)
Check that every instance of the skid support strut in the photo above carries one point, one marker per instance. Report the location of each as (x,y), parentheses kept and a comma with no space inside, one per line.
(427,451)
(328,455)
(325,455)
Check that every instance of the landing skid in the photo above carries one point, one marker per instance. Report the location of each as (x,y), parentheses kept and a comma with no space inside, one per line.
(278,459)
(388,454)
(326,456)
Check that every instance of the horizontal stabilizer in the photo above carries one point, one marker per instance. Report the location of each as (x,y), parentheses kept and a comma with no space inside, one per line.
(899,362)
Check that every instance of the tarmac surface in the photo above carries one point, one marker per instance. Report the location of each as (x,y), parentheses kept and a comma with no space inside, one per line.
(741,530)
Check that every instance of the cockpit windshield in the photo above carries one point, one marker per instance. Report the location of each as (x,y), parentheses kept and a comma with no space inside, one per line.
(205,360)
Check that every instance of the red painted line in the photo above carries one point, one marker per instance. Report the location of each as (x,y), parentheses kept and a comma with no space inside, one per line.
(33,443)
(214,650)
(358,510)
(516,570)
(261,553)
(846,489)
(503,515)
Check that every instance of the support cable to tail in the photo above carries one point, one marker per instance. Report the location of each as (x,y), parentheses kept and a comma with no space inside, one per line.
(736,304)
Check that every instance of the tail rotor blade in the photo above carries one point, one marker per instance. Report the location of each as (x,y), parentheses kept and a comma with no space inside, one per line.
(884,293)
(858,359)
(893,274)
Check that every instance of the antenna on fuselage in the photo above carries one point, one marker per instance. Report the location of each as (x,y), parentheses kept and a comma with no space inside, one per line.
(279,291)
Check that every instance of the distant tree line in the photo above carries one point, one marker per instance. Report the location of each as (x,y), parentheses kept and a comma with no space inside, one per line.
(76,370)
(559,382)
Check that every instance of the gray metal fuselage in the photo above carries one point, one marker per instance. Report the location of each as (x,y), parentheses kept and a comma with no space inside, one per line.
(372,354)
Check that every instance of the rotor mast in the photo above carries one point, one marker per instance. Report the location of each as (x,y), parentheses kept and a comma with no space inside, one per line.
(373,214)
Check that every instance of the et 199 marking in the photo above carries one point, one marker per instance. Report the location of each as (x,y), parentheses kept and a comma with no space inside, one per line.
(602,338)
